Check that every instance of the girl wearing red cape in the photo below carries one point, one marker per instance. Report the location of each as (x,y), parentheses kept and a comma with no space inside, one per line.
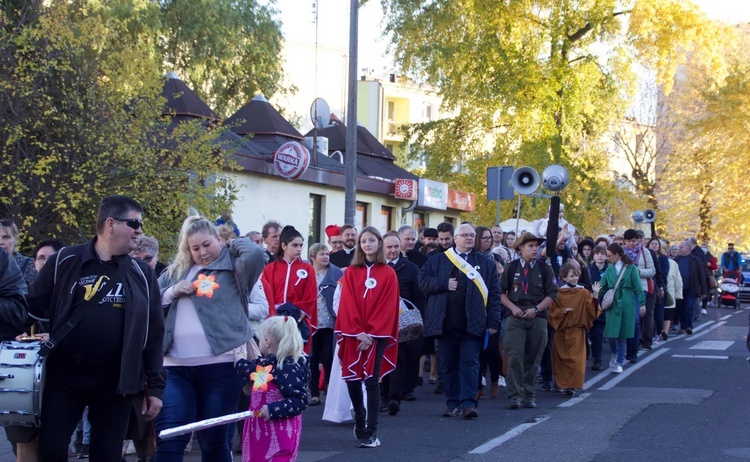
(367,327)
(289,279)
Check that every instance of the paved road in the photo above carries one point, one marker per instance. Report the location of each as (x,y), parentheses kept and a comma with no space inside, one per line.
(684,400)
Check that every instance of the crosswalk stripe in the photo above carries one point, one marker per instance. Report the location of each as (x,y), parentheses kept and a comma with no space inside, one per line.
(712,345)
(700,356)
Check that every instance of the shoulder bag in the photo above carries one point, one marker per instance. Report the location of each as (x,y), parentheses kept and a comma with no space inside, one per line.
(609,295)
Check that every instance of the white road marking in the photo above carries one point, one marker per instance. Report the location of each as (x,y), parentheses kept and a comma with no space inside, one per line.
(574,401)
(510,434)
(630,370)
(700,356)
(690,338)
(712,345)
(597,378)
(703,326)
(724,318)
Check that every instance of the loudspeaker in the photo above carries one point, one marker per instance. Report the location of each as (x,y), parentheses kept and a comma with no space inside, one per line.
(555,178)
(525,180)
(649,216)
(638,216)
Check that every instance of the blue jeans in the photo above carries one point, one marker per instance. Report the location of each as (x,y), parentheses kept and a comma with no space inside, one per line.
(84,427)
(633,342)
(659,317)
(458,357)
(618,348)
(686,321)
(197,393)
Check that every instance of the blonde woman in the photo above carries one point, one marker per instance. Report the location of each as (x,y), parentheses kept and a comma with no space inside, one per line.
(205,294)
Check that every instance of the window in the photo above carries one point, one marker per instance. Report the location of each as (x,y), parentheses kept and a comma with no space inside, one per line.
(428,112)
(391,110)
(315,219)
(386,215)
(419,220)
(360,217)
(449,220)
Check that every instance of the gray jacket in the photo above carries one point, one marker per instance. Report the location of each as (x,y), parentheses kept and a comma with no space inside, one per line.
(12,298)
(224,316)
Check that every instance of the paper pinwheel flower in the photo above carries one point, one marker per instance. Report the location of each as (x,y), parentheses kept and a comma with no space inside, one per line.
(205,285)
(261,377)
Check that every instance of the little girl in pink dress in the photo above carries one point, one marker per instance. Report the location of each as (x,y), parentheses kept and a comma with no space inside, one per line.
(278,394)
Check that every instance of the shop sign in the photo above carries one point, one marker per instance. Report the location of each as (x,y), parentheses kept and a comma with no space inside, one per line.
(291,160)
(460,200)
(406,189)
(432,194)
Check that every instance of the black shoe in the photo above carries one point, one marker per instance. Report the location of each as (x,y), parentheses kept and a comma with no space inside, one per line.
(664,336)
(439,389)
(547,385)
(597,365)
(451,412)
(420,381)
(529,403)
(383,407)
(470,413)
(371,441)
(570,392)
(393,407)
(410,397)
(515,404)
(647,347)
(689,331)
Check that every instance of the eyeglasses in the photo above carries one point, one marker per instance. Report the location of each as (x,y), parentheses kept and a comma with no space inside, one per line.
(147,258)
(487,238)
(467,235)
(130,222)
(41,258)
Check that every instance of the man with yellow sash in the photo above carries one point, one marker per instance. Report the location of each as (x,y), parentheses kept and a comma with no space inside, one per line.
(463,308)
(528,289)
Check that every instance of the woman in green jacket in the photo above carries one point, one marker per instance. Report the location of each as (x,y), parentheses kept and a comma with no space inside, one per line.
(620,317)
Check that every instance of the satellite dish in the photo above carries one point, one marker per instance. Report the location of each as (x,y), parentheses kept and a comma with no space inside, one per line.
(320,113)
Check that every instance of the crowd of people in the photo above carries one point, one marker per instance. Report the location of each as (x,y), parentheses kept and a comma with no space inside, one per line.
(250,323)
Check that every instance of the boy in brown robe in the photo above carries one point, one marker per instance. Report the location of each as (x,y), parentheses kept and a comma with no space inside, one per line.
(571,315)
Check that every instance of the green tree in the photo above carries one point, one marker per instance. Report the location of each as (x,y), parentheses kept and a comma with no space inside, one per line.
(80,119)
(227,51)
(704,177)
(545,79)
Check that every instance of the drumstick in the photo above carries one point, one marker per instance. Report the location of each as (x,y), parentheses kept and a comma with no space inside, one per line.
(208,423)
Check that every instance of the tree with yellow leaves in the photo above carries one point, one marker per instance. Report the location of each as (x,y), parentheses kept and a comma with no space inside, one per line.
(543,80)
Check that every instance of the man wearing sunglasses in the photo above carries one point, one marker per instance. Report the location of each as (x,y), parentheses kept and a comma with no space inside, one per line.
(112,356)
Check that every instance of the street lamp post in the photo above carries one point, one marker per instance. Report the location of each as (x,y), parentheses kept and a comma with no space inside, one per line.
(350,165)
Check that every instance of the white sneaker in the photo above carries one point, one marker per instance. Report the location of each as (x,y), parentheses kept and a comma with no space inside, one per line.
(612,362)
(501,381)
(703,311)
(617,369)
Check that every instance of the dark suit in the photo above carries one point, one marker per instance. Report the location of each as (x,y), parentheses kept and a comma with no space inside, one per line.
(403,380)
(460,329)
(342,259)
(416,257)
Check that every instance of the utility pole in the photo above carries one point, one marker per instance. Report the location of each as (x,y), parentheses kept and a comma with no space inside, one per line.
(350,164)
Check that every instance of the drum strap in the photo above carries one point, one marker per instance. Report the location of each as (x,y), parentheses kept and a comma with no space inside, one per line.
(76,317)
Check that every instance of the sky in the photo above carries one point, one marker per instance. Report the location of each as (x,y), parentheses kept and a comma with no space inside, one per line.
(333,25)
